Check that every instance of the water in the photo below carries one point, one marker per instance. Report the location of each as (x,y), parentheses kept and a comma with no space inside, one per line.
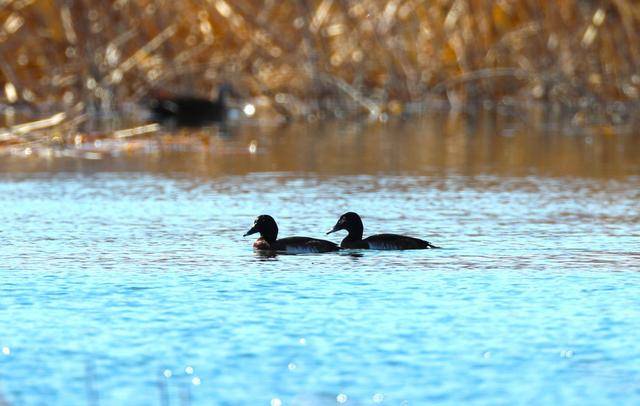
(126,279)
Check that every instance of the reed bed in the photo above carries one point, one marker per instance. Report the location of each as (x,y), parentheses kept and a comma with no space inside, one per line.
(66,63)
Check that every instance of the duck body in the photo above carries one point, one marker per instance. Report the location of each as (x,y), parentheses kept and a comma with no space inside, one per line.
(295,245)
(353,224)
(387,242)
(189,111)
(268,229)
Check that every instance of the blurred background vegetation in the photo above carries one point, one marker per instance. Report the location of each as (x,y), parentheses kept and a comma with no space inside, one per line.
(65,62)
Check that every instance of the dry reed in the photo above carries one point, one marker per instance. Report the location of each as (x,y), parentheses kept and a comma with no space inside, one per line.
(312,58)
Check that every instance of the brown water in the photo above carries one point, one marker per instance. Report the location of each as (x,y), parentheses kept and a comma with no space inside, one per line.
(436,145)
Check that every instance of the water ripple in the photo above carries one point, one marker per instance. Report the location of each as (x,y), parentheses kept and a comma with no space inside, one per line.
(108,281)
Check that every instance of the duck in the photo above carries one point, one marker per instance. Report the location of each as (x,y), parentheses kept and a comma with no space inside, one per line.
(190,111)
(268,241)
(353,224)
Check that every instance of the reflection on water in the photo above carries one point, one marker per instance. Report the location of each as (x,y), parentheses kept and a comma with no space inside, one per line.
(436,144)
(127,280)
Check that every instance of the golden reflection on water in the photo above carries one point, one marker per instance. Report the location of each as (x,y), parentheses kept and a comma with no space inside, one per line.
(435,144)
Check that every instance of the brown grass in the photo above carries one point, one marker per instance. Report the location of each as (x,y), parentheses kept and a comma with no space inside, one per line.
(310,58)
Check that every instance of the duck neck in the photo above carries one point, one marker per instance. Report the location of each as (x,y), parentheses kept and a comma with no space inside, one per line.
(269,234)
(269,237)
(222,96)
(355,234)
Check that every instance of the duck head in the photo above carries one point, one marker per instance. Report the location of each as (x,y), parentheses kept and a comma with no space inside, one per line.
(266,226)
(351,222)
(224,91)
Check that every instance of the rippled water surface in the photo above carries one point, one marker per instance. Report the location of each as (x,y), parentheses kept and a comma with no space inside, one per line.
(126,279)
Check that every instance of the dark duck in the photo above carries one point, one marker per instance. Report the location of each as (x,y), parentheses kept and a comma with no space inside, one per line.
(268,241)
(190,111)
(353,224)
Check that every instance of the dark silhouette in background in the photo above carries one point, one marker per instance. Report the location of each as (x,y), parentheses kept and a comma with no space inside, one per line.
(190,111)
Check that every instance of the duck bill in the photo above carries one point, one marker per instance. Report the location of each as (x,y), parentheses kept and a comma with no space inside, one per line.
(251,231)
(334,229)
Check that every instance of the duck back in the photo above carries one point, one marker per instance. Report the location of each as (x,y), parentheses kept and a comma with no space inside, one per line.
(302,245)
(396,242)
(187,111)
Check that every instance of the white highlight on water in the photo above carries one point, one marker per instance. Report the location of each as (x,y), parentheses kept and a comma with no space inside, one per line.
(249,109)
(276,402)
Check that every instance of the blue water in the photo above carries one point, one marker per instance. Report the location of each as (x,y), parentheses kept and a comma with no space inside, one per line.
(138,288)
